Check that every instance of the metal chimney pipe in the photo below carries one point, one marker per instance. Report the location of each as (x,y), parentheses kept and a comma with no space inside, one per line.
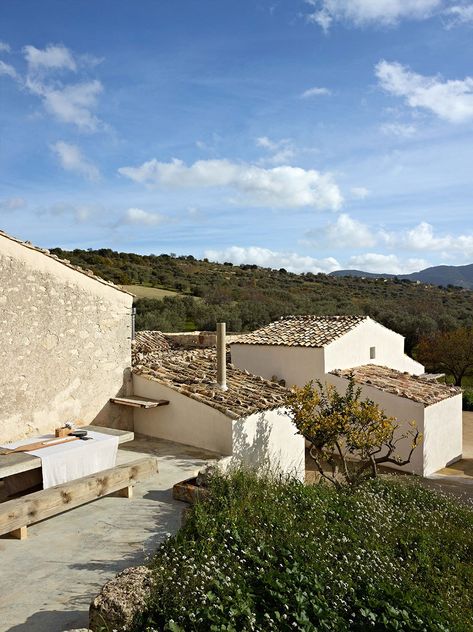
(221,357)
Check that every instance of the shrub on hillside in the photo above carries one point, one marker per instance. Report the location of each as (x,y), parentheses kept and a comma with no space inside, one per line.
(262,554)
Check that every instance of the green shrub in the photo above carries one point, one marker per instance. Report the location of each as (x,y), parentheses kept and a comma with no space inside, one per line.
(262,554)
(468,399)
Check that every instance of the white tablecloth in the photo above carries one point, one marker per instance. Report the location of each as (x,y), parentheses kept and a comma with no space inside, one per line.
(68,461)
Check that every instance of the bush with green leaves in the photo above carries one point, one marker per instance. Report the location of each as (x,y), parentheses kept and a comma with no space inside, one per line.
(266,554)
(468,399)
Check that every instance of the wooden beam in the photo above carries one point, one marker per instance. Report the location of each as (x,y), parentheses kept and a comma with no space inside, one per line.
(21,512)
(126,492)
(20,534)
(139,402)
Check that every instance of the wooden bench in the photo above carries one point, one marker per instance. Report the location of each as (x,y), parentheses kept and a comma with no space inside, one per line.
(18,462)
(16,515)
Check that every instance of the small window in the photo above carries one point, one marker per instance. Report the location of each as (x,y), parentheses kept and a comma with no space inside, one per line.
(372,353)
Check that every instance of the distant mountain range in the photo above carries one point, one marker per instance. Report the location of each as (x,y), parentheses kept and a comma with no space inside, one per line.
(461,276)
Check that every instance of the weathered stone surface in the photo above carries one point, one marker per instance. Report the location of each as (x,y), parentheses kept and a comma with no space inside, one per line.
(121,599)
(64,344)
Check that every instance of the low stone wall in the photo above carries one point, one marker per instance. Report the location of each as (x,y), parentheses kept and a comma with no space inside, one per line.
(197,339)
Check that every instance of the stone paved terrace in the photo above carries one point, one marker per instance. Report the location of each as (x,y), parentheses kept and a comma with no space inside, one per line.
(48,581)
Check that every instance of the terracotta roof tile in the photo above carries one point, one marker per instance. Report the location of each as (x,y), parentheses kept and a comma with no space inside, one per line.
(193,373)
(149,343)
(404,385)
(302,331)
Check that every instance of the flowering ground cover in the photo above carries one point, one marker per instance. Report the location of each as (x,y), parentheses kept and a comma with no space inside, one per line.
(263,554)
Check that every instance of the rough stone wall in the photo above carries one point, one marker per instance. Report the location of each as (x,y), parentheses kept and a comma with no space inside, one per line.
(64,345)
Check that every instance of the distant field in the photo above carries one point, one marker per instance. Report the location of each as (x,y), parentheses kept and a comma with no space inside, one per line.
(141,291)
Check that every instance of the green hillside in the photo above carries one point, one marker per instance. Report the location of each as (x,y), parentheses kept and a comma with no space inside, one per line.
(247,296)
(143,291)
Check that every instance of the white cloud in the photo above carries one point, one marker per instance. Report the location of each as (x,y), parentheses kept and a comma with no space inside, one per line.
(72,103)
(283,187)
(4,47)
(51,57)
(389,264)
(450,100)
(315,92)
(322,18)
(423,238)
(371,12)
(267,143)
(68,102)
(402,130)
(12,204)
(79,212)
(8,70)
(283,150)
(360,193)
(139,217)
(346,232)
(459,14)
(266,258)
(72,159)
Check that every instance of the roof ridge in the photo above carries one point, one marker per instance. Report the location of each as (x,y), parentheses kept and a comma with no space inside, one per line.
(65,262)
(308,330)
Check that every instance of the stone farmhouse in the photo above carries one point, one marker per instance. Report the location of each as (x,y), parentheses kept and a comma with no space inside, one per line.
(66,349)
(299,349)
(65,343)
(302,348)
(246,422)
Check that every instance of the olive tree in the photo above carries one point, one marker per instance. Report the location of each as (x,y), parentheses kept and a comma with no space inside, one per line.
(349,437)
(451,351)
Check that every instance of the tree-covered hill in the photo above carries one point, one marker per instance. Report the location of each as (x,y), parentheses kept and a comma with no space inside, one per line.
(248,296)
(437,275)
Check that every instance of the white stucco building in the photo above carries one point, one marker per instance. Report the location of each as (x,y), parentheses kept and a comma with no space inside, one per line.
(247,422)
(435,408)
(298,349)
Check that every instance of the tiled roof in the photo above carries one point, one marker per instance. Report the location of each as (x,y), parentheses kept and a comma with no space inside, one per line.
(404,385)
(302,331)
(193,373)
(149,343)
(64,262)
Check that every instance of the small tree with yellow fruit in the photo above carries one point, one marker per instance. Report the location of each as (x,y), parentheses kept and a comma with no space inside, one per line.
(349,437)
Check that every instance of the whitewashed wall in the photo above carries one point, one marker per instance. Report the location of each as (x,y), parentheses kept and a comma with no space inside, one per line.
(299,365)
(184,420)
(296,365)
(65,345)
(404,410)
(443,440)
(262,440)
(269,440)
(353,349)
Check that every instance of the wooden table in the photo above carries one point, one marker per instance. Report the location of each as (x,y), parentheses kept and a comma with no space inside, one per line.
(17,514)
(11,464)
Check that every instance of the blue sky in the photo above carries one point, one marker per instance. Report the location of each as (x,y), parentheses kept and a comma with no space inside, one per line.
(314,135)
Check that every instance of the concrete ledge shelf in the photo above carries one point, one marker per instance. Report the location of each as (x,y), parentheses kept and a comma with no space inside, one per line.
(139,402)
